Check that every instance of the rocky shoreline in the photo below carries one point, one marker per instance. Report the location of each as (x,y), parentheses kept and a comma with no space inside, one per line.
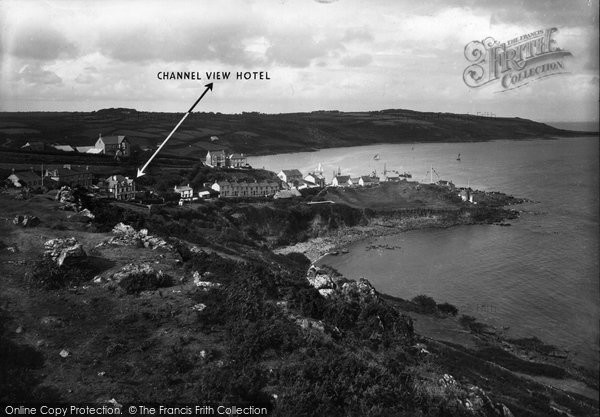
(337,240)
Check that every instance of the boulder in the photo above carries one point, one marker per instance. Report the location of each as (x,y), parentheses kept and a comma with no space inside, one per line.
(26,221)
(127,235)
(30,221)
(121,229)
(327,292)
(135,278)
(75,251)
(339,286)
(60,250)
(321,281)
(83,216)
(206,285)
(130,270)
(361,291)
(65,195)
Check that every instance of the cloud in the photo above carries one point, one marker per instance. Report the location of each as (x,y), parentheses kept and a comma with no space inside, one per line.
(190,41)
(357,60)
(298,48)
(94,54)
(361,34)
(87,76)
(549,14)
(39,42)
(35,74)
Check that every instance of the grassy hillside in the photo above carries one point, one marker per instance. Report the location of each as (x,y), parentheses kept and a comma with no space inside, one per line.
(231,322)
(256,133)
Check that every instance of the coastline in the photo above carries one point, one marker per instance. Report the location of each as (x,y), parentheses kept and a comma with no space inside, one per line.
(577,379)
(572,135)
(318,247)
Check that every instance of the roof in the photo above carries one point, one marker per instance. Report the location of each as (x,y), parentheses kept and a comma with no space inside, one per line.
(112,140)
(287,194)
(366,178)
(94,151)
(315,175)
(64,172)
(291,172)
(245,183)
(183,188)
(34,143)
(237,156)
(216,151)
(66,148)
(206,189)
(83,149)
(342,178)
(268,184)
(118,179)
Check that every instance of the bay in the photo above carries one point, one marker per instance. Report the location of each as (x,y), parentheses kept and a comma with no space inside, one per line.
(539,277)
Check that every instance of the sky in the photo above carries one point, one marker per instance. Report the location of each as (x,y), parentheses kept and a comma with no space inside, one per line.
(348,55)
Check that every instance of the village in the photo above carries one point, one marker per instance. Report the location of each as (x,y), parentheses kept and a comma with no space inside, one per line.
(287,183)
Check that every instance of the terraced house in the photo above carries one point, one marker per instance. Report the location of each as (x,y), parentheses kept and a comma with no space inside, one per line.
(228,189)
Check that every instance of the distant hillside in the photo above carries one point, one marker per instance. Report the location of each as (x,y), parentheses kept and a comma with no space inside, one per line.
(256,133)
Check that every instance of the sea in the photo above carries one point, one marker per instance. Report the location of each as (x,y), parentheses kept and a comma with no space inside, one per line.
(539,277)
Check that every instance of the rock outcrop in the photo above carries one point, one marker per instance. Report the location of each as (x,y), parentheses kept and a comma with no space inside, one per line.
(456,399)
(134,278)
(26,221)
(61,250)
(67,199)
(127,235)
(200,281)
(82,216)
(331,284)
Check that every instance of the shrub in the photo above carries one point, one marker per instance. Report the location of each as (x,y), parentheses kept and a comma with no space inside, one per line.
(144,281)
(46,274)
(425,303)
(309,302)
(19,379)
(471,323)
(447,308)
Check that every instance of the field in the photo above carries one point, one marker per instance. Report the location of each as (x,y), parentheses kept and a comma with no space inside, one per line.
(256,133)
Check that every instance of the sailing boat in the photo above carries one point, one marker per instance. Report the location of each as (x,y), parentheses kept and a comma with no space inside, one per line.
(458,158)
(376,157)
